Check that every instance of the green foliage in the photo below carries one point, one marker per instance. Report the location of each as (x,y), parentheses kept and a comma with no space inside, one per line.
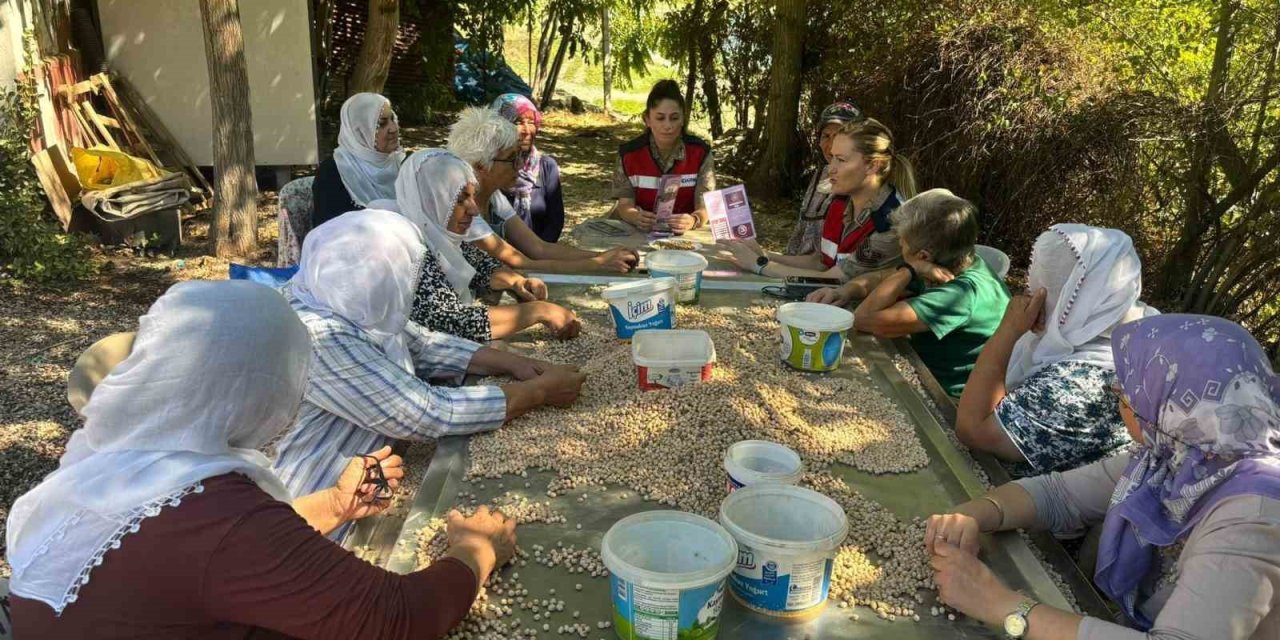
(32,247)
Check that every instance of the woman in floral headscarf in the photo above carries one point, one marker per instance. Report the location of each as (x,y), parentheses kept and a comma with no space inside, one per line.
(817,197)
(1190,520)
(537,197)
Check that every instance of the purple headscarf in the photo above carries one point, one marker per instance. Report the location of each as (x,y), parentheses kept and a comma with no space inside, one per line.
(1206,398)
(512,106)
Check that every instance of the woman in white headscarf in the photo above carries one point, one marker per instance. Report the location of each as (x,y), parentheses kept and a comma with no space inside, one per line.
(436,191)
(364,166)
(163,519)
(1041,397)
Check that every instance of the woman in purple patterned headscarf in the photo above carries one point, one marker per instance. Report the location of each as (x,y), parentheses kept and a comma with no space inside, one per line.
(537,197)
(1190,544)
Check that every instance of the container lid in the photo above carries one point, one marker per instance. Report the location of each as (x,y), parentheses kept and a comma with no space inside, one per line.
(815,317)
(657,348)
(785,518)
(675,261)
(640,287)
(669,549)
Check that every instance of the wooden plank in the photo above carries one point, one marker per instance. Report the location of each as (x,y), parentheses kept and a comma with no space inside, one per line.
(92,115)
(59,183)
(157,127)
(130,127)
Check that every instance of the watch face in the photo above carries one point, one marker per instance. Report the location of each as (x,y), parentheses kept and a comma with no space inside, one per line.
(762,261)
(1015,625)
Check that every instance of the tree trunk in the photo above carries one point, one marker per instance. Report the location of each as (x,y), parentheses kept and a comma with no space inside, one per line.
(1180,263)
(606,59)
(710,89)
(235,213)
(553,76)
(691,80)
(546,38)
(374,62)
(773,172)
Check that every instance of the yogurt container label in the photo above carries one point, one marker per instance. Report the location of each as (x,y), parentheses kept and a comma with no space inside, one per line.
(650,312)
(644,613)
(811,350)
(672,377)
(688,285)
(780,584)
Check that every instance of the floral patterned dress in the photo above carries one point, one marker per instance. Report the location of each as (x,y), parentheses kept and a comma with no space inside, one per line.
(437,306)
(1062,417)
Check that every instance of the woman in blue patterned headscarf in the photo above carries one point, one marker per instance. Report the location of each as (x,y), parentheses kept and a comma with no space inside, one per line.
(536,197)
(813,208)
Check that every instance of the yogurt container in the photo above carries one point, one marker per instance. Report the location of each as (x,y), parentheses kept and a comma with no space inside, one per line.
(641,304)
(787,542)
(667,359)
(754,461)
(685,266)
(666,575)
(813,335)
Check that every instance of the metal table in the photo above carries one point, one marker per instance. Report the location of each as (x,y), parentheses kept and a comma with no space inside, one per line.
(947,480)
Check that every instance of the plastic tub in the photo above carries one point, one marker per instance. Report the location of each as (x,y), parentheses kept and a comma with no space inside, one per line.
(787,542)
(667,359)
(813,335)
(642,304)
(685,267)
(753,461)
(666,574)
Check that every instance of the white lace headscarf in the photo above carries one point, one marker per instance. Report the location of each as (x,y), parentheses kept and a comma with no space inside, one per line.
(217,370)
(368,174)
(427,190)
(363,266)
(1093,278)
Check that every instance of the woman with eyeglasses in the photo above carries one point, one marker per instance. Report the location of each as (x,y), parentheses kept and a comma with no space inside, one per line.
(364,166)
(163,519)
(1190,518)
(437,191)
(1038,398)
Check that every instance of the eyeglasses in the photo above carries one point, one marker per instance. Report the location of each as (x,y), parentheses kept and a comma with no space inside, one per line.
(373,475)
(514,161)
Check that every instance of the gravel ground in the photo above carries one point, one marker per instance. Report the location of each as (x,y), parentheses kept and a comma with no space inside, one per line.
(43,330)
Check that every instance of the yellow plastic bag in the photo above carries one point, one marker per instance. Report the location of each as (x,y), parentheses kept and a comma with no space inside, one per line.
(103,168)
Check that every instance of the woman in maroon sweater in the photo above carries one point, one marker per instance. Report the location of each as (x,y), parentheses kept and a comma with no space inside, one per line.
(164,521)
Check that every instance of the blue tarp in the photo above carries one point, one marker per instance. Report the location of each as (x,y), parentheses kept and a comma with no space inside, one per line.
(479,76)
(270,276)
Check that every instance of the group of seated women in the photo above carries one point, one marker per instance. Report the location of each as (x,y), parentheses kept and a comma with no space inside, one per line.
(247,425)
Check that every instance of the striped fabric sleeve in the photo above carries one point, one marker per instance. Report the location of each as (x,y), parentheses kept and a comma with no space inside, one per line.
(354,380)
(439,356)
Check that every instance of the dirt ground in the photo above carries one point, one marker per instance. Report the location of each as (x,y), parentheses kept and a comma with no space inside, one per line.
(43,330)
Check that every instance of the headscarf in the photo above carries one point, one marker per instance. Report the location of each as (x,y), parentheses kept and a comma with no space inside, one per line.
(1093,278)
(815,203)
(217,370)
(513,106)
(363,266)
(368,174)
(427,190)
(1207,400)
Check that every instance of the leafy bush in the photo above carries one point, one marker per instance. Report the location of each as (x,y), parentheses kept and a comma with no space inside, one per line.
(32,247)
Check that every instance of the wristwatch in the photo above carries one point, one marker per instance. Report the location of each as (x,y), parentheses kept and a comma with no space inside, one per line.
(1015,624)
(761,263)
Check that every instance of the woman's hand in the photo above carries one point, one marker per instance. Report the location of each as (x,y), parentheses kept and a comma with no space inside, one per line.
(966,584)
(530,289)
(639,218)
(354,497)
(741,253)
(682,222)
(561,385)
(1025,313)
(619,259)
(562,322)
(485,540)
(955,529)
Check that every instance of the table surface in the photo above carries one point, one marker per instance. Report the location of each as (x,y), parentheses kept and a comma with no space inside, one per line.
(947,480)
(719,266)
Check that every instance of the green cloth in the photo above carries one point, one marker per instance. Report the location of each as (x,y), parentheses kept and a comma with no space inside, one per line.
(961,316)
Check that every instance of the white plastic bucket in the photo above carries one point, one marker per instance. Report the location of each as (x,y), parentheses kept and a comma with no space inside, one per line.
(995,258)
(667,359)
(787,542)
(642,304)
(685,267)
(666,574)
(754,461)
(813,335)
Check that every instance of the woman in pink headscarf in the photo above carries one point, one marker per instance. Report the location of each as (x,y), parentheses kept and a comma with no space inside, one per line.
(537,197)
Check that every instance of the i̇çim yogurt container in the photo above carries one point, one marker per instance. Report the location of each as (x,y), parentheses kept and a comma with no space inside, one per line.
(641,304)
